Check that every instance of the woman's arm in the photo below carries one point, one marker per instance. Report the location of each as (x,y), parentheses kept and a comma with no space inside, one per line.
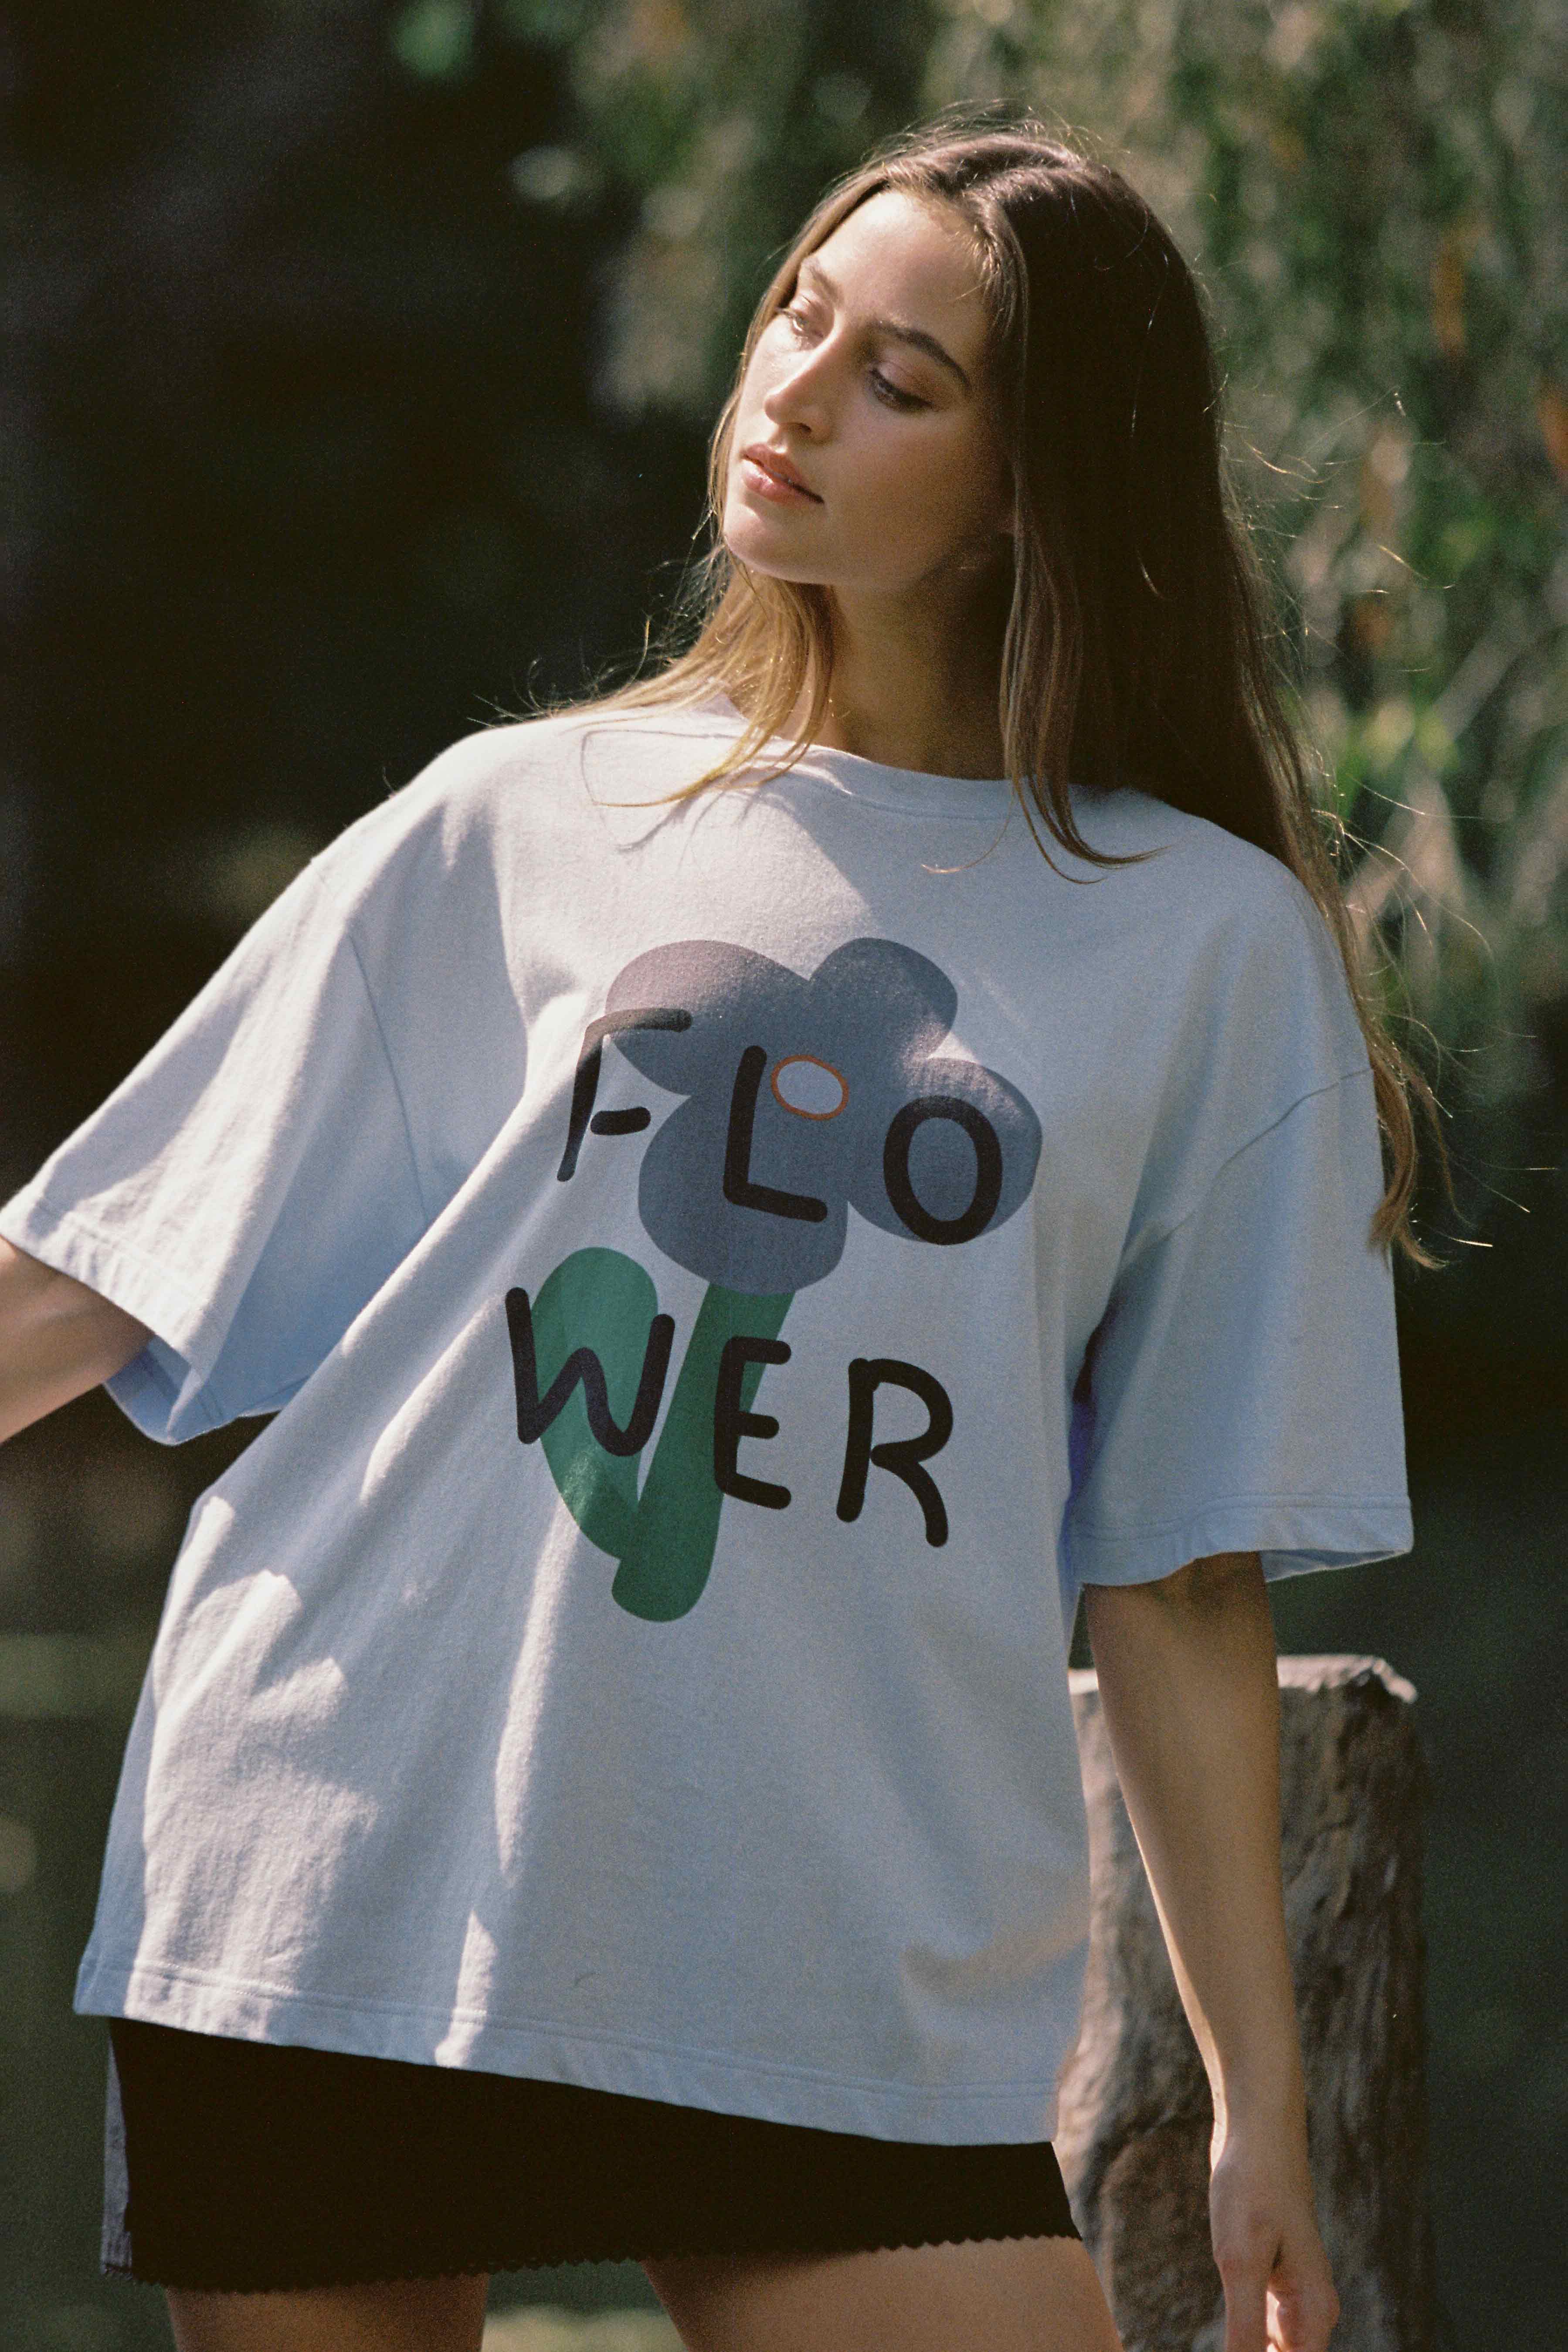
(1189,1687)
(57,1338)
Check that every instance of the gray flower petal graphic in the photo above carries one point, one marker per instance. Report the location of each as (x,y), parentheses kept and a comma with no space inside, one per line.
(806,1096)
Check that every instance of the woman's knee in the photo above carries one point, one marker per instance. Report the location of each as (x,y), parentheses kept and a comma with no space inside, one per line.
(994,2294)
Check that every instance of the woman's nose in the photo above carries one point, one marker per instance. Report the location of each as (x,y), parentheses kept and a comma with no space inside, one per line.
(799,398)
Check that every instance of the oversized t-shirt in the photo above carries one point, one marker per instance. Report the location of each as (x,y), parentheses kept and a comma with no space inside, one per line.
(724,1270)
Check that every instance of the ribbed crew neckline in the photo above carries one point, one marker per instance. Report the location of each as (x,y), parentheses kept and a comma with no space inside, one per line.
(915,792)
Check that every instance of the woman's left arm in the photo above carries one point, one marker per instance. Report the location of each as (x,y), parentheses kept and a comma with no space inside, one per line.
(1189,1687)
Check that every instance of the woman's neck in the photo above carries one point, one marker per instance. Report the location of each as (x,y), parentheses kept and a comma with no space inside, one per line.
(916,691)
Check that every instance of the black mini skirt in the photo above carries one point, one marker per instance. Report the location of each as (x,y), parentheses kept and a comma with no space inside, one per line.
(249,2165)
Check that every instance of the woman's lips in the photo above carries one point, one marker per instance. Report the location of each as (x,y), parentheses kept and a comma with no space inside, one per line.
(770,476)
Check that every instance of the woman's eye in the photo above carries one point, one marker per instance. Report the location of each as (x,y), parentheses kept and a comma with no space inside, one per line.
(802,326)
(892,394)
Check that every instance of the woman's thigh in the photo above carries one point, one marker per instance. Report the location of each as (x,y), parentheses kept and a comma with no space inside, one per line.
(995,2294)
(444,2314)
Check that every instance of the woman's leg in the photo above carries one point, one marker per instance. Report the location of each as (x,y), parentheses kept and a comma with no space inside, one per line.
(444,2314)
(994,2294)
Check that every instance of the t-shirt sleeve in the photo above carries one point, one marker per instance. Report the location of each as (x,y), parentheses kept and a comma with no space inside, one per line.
(248,1188)
(1241,1392)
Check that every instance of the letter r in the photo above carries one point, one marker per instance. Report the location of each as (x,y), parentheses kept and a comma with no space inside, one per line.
(901,1456)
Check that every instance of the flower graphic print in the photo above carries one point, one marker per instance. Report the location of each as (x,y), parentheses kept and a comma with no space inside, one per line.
(807,1098)
(801,1098)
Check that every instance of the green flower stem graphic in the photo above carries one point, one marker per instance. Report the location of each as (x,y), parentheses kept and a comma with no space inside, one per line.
(665,1537)
(665,1565)
(599,1297)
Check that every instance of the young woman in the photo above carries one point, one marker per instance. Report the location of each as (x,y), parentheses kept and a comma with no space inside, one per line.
(605,1785)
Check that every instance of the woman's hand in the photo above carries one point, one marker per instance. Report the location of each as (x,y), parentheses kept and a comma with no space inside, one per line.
(57,1338)
(1278,2291)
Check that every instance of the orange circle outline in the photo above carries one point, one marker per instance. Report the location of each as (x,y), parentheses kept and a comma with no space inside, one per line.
(817,1061)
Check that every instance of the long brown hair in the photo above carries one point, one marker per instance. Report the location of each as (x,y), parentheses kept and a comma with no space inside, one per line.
(1139,648)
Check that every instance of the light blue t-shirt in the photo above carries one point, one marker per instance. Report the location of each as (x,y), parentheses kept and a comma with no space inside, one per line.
(724,1270)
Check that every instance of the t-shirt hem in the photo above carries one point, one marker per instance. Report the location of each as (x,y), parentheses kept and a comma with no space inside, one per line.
(724,2083)
(1290,1534)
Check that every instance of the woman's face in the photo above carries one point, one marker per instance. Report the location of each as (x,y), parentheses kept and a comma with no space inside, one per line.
(869,392)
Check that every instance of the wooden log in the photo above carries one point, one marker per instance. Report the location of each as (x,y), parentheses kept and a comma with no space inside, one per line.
(1136,2115)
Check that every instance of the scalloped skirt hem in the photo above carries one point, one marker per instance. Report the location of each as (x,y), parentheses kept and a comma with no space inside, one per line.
(505,2261)
(252,2168)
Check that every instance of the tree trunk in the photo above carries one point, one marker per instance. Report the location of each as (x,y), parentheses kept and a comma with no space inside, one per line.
(1136,2116)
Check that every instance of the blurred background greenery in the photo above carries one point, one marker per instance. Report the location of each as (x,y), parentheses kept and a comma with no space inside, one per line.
(358,362)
